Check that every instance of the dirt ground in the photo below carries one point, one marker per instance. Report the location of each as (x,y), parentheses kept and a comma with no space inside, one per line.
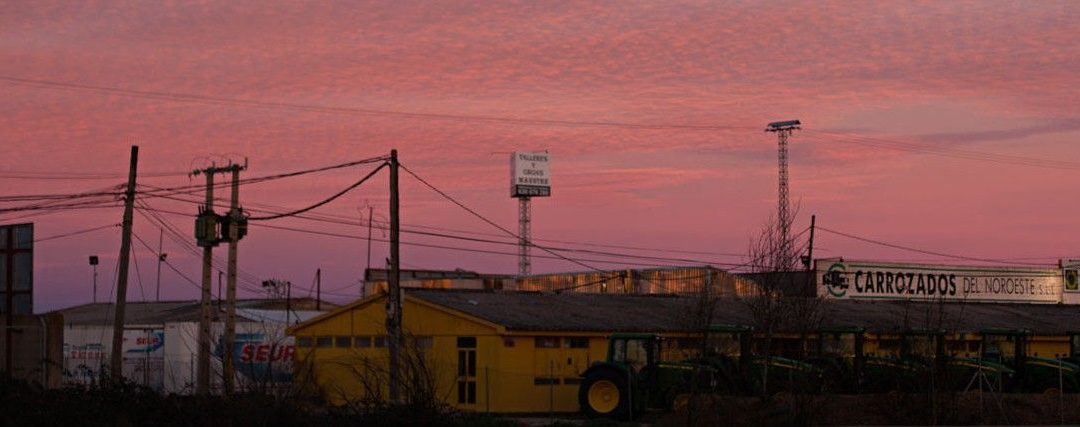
(880,409)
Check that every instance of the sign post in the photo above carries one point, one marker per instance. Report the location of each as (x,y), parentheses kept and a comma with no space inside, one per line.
(530,176)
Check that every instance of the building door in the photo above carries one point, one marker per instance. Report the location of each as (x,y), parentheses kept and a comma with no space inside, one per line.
(466,380)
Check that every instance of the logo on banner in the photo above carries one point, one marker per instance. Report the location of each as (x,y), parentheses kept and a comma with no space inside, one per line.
(1072,281)
(835,280)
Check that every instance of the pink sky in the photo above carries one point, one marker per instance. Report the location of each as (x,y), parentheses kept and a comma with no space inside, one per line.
(992,77)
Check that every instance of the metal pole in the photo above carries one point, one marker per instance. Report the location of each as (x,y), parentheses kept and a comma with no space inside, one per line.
(318,289)
(117,362)
(393,309)
(524,221)
(95,283)
(202,379)
(230,288)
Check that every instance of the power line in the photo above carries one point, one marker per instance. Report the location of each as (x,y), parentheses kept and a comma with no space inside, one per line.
(192,98)
(952,152)
(453,248)
(490,222)
(75,233)
(327,200)
(923,251)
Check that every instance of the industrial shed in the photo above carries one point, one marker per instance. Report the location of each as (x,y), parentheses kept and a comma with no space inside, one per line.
(161,339)
(523,352)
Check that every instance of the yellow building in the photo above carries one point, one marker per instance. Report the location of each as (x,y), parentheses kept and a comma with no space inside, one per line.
(485,351)
(524,352)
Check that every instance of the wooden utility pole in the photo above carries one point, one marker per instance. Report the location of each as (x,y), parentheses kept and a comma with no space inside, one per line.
(230,289)
(117,354)
(393,300)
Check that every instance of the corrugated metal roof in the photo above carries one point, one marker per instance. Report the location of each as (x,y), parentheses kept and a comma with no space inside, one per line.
(154,313)
(535,311)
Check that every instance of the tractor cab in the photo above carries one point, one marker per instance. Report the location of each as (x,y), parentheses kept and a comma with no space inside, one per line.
(634,351)
(632,379)
(926,346)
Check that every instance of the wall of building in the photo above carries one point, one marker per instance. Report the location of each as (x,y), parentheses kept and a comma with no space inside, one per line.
(476,366)
(36,348)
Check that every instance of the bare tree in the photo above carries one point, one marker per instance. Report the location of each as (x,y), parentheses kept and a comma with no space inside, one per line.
(785,302)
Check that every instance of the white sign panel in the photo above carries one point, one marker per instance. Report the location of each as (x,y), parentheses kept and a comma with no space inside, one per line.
(530,174)
(839,279)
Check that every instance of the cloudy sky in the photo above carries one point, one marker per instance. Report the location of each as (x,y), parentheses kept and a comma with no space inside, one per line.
(944,126)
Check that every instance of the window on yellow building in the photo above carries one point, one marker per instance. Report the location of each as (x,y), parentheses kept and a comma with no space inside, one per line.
(342,341)
(422,343)
(303,342)
(547,342)
(380,341)
(362,342)
(323,342)
(576,342)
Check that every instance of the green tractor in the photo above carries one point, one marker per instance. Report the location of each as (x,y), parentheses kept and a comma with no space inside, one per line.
(1033,374)
(741,372)
(634,378)
(1074,347)
(848,369)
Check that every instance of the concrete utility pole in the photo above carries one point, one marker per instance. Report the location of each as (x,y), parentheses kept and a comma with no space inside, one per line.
(318,289)
(393,300)
(211,230)
(363,289)
(235,217)
(207,240)
(117,352)
(161,258)
(810,247)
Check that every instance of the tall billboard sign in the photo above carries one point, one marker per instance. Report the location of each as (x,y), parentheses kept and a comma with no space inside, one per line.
(839,279)
(17,269)
(530,174)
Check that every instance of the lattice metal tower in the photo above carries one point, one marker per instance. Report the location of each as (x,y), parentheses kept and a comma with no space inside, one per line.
(524,218)
(783,130)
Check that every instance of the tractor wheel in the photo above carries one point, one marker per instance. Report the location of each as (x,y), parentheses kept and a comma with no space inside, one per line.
(604,394)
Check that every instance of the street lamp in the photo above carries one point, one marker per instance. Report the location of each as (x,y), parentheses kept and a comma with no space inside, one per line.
(94,263)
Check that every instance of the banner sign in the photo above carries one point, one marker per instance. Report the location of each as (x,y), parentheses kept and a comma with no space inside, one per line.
(841,279)
(261,358)
(530,174)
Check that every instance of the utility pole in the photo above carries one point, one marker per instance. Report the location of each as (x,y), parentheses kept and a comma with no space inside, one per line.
(783,130)
(318,289)
(117,361)
(393,300)
(207,237)
(371,211)
(234,234)
(810,247)
(160,259)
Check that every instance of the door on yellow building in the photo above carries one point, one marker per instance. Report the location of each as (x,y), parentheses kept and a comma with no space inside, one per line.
(466,378)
